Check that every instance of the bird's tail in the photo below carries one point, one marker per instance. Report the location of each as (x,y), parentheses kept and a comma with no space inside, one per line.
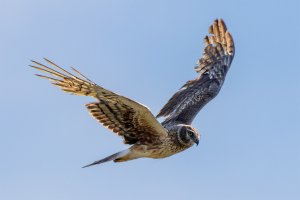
(67,81)
(117,157)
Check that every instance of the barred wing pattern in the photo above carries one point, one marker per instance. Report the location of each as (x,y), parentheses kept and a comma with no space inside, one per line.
(129,119)
(212,67)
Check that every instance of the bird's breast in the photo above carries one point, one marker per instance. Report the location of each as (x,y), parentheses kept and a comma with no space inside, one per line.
(162,150)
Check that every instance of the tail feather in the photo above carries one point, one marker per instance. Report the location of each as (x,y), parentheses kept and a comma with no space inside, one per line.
(114,157)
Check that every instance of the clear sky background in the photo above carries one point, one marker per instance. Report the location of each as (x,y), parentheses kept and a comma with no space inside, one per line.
(146,50)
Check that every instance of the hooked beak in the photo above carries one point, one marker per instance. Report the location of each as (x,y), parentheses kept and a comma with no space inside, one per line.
(196,140)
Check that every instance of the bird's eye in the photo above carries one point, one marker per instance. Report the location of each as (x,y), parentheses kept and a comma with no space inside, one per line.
(190,133)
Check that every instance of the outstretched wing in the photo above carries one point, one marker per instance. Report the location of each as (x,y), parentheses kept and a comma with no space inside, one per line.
(212,67)
(121,115)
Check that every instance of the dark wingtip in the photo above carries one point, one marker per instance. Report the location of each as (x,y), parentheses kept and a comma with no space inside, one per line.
(46,59)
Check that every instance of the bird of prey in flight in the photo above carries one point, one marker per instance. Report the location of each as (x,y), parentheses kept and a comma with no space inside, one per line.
(135,122)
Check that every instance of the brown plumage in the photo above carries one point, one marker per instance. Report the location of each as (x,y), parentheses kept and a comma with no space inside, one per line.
(134,122)
(121,115)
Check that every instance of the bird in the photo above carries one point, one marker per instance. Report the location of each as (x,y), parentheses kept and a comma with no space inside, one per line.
(134,122)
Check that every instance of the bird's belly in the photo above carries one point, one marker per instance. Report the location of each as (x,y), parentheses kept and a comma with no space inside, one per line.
(165,152)
(159,150)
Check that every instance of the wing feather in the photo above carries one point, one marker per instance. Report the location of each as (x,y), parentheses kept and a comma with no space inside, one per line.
(125,117)
(217,56)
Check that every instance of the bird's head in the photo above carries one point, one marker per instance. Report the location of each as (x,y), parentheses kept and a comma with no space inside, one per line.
(187,135)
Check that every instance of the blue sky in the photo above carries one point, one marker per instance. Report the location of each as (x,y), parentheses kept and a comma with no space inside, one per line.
(146,50)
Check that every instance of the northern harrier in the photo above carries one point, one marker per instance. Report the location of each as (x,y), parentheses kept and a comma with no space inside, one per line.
(135,122)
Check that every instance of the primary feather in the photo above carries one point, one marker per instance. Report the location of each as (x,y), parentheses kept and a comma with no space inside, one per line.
(218,53)
(121,115)
(134,121)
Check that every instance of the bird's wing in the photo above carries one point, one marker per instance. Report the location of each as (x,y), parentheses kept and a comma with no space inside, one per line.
(212,67)
(121,115)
